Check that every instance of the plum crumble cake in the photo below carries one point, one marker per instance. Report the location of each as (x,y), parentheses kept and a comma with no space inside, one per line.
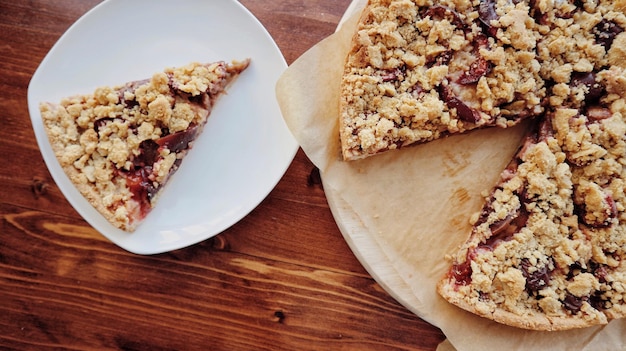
(120,145)
(548,249)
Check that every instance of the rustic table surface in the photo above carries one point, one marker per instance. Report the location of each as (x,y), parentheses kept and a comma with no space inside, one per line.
(283,278)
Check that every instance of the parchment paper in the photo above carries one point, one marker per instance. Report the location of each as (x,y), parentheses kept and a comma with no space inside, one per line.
(413,205)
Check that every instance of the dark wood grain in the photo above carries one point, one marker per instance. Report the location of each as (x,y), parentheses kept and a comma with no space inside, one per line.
(283,278)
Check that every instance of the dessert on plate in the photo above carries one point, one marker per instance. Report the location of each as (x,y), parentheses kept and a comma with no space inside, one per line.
(120,145)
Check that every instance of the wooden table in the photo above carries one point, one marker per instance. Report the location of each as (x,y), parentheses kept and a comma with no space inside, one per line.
(283,278)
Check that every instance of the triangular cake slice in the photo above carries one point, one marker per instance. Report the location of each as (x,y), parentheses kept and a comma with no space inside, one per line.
(548,250)
(120,145)
(421,70)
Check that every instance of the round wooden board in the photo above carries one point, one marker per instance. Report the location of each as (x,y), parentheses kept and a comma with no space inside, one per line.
(369,252)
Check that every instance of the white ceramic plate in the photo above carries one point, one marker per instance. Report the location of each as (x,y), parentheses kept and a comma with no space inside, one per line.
(245,147)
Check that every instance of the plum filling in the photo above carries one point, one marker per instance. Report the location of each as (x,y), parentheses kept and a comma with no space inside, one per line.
(463,111)
(440,12)
(393,75)
(596,299)
(537,278)
(99,123)
(462,272)
(442,59)
(142,187)
(486,14)
(203,99)
(574,303)
(593,90)
(505,229)
(480,67)
(477,69)
(605,32)
(602,220)
(417,91)
(598,270)
(130,88)
(178,141)
(141,179)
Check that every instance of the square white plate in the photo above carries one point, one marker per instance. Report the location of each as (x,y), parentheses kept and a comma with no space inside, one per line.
(245,147)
